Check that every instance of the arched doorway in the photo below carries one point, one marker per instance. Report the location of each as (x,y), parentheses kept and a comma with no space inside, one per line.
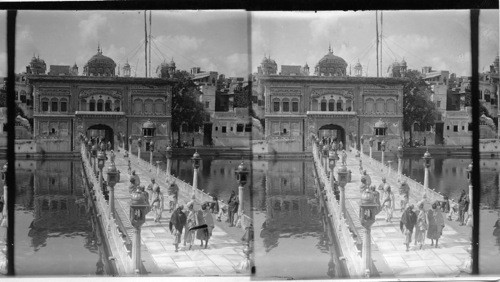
(333,131)
(102,131)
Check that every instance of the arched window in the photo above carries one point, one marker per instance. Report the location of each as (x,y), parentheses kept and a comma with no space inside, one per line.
(92,105)
(107,106)
(83,105)
(369,106)
(45,105)
(323,105)
(295,105)
(159,107)
(100,105)
(54,103)
(148,106)
(137,106)
(64,105)
(23,96)
(391,106)
(276,104)
(117,105)
(339,106)
(380,106)
(331,105)
(348,105)
(286,105)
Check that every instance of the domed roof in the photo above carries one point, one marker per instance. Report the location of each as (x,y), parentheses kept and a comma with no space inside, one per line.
(358,65)
(332,61)
(100,65)
(172,63)
(403,62)
(396,64)
(126,65)
(380,124)
(148,124)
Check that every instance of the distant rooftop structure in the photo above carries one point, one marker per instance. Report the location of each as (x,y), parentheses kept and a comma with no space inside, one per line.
(290,70)
(59,70)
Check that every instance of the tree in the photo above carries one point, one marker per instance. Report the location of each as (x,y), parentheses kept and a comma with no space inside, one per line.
(417,107)
(186,108)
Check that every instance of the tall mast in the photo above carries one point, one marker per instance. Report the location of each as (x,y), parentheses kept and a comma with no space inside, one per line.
(376,32)
(146,45)
(381,29)
(150,43)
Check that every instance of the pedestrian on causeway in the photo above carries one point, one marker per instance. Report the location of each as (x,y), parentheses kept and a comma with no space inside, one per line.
(388,202)
(344,157)
(407,223)
(436,224)
(157,203)
(421,226)
(176,224)
(190,223)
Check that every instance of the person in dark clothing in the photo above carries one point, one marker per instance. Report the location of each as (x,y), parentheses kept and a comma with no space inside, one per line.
(232,207)
(463,206)
(177,222)
(214,205)
(407,223)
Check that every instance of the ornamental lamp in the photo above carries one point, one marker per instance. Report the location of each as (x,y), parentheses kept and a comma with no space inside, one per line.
(362,140)
(138,206)
(151,146)
(370,141)
(169,152)
(112,175)
(101,159)
(427,159)
(332,158)
(343,174)
(130,139)
(242,174)
(400,152)
(139,142)
(94,150)
(367,208)
(469,172)
(196,160)
(382,146)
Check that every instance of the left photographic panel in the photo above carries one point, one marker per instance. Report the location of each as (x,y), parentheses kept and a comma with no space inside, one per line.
(3,143)
(118,143)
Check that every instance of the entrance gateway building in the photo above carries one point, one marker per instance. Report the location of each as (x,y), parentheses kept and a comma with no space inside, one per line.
(99,104)
(330,103)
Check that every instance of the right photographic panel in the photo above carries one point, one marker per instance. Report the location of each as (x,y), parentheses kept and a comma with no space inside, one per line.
(361,166)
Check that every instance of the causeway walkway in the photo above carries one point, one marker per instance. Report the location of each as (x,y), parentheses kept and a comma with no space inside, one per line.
(388,250)
(221,258)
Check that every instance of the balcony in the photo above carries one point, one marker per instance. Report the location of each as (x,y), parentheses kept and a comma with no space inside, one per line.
(98,114)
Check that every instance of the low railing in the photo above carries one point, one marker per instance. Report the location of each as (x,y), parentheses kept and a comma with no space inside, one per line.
(345,237)
(185,187)
(122,254)
(416,189)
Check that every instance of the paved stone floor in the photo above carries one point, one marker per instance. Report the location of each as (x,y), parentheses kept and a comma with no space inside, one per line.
(388,249)
(221,258)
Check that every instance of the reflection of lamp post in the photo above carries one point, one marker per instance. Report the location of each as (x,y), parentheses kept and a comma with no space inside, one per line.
(138,205)
(367,211)
(101,159)
(139,145)
(325,158)
(169,160)
(129,148)
(196,164)
(370,141)
(112,180)
(427,163)
(362,141)
(332,158)
(469,177)
(400,159)
(382,147)
(245,265)
(342,174)
(242,177)
(151,150)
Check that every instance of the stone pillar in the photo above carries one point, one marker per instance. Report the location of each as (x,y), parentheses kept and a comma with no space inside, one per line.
(169,167)
(195,180)
(367,250)
(400,168)
(342,201)
(158,168)
(112,200)
(136,251)
(371,151)
(100,178)
(4,211)
(240,199)
(151,157)
(383,157)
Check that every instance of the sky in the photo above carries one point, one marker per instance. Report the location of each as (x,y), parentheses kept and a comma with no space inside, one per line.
(219,40)
(440,39)
(211,40)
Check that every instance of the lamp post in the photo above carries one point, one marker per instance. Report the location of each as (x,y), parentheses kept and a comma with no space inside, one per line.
(332,158)
(151,150)
(382,148)
(112,180)
(169,161)
(427,163)
(367,211)
(469,178)
(247,238)
(138,205)
(242,177)
(400,158)
(94,156)
(130,144)
(158,168)
(343,174)
(196,164)
(362,141)
(370,141)
(101,159)
(139,145)
(325,158)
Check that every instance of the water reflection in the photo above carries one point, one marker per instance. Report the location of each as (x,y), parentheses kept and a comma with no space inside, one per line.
(56,233)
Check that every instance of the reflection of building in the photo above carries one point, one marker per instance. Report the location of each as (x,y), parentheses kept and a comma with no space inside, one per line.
(330,103)
(66,106)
